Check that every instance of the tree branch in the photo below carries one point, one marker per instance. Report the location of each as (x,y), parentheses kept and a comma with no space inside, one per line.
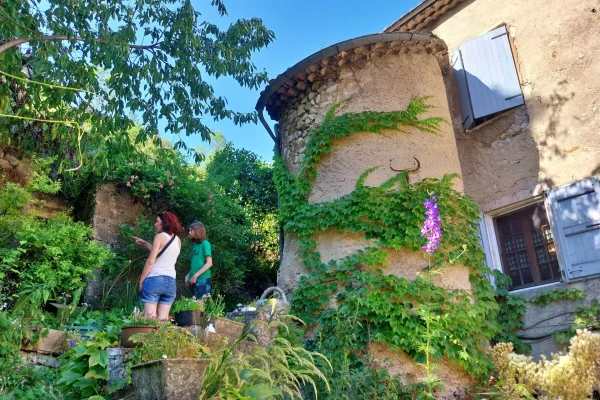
(16,42)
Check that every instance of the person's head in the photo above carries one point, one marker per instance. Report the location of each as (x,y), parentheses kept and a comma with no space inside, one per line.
(167,222)
(197,231)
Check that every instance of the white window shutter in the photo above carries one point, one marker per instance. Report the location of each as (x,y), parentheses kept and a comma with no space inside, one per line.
(486,76)
(575,212)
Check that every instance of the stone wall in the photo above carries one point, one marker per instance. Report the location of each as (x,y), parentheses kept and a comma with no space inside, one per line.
(13,169)
(111,209)
(18,170)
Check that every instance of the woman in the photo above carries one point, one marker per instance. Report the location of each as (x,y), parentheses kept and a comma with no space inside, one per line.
(157,283)
(201,262)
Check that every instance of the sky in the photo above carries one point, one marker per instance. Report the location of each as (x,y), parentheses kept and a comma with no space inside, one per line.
(301,28)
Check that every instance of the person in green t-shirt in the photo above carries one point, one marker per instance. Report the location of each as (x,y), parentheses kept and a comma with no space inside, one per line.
(201,262)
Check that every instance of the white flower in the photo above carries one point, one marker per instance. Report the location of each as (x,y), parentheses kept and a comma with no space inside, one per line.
(164,357)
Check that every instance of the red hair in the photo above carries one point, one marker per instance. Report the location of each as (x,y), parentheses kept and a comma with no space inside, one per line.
(170,223)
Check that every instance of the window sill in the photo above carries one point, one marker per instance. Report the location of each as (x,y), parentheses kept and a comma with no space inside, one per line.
(529,289)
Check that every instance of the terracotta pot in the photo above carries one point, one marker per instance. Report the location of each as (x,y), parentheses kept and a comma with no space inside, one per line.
(187,318)
(172,379)
(129,331)
(50,344)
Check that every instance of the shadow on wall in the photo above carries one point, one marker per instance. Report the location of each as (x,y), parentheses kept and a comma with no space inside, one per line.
(548,142)
(499,158)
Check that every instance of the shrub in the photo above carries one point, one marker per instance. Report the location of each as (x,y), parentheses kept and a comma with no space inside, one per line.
(565,376)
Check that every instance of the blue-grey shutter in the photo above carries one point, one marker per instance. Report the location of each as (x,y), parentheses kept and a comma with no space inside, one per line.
(491,83)
(463,92)
(575,211)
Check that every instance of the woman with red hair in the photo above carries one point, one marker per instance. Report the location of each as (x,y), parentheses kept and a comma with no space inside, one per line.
(157,283)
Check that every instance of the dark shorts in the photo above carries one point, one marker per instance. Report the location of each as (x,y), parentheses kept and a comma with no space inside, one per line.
(201,288)
(159,290)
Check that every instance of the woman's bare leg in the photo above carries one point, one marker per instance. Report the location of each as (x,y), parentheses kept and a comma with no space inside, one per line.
(163,312)
(150,310)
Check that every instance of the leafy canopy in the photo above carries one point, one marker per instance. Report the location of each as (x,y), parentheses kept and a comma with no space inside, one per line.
(147,58)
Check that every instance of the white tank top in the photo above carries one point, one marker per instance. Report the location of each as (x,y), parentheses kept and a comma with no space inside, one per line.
(165,264)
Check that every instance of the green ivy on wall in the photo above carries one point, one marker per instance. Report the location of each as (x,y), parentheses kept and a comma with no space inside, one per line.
(390,217)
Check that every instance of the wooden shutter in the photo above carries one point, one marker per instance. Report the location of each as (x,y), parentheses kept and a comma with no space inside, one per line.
(486,76)
(575,211)
(464,98)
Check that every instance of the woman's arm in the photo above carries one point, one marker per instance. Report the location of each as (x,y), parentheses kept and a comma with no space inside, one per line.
(202,270)
(142,242)
(151,259)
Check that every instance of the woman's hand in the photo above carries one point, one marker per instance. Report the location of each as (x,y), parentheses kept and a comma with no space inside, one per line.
(139,241)
(140,286)
(193,279)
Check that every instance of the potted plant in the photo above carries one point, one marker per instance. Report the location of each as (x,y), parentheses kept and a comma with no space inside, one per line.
(137,324)
(214,310)
(168,364)
(187,312)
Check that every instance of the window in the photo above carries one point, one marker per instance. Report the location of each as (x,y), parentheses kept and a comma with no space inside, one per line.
(486,77)
(541,242)
(526,247)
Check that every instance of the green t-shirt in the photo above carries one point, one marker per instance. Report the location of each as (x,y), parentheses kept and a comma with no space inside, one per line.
(199,253)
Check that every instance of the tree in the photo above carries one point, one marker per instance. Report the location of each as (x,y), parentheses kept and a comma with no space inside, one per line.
(144,57)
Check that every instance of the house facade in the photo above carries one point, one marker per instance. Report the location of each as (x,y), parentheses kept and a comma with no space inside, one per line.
(524,92)
(519,82)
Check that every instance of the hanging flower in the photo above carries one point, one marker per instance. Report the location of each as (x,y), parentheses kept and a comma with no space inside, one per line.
(160,185)
(432,226)
(132,177)
(129,184)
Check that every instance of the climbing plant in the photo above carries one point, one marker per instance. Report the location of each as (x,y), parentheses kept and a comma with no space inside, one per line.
(390,217)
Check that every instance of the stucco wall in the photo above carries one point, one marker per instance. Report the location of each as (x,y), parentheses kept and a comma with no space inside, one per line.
(383,84)
(554,138)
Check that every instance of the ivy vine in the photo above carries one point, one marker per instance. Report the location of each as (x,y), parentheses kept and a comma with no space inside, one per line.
(548,296)
(390,216)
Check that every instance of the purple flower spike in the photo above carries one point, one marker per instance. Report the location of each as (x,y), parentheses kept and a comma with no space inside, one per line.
(72,343)
(432,226)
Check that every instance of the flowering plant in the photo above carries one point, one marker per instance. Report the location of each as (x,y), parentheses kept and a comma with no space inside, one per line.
(186,304)
(432,226)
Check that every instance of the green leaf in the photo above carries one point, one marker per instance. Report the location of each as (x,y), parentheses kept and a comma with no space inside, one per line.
(97,372)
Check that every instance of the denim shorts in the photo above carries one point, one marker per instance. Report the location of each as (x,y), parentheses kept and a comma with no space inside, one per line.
(159,290)
(202,287)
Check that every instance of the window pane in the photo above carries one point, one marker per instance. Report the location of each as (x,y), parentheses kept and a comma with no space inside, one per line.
(509,245)
(523,259)
(555,269)
(538,239)
(527,278)
(545,272)
(516,278)
(513,263)
(520,241)
(516,226)
(505,229)
(541,255)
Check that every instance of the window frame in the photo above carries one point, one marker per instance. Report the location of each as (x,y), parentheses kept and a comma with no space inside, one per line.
(526,229)
(490,238)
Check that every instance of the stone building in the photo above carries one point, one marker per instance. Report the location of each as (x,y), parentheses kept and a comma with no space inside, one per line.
(518,84)
(531,165)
